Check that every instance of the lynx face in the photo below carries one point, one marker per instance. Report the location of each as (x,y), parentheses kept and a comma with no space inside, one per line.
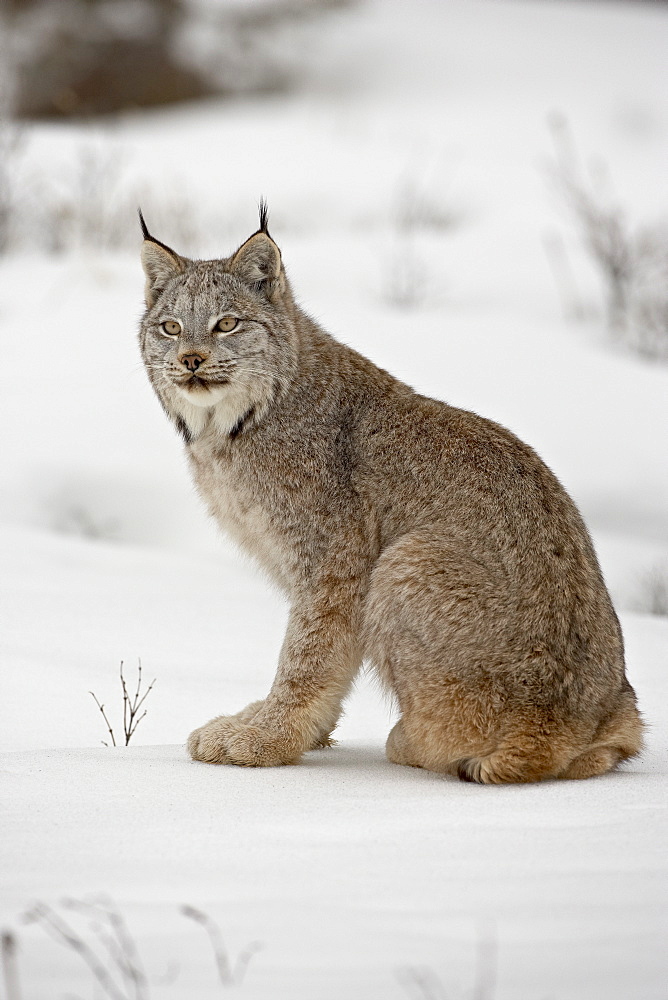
(216,337)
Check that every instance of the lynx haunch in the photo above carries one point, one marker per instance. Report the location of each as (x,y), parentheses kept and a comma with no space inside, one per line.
(424,539)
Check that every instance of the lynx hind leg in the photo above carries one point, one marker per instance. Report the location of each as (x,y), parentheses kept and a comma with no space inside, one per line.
(397,748)
(449,739)
(519,745)
(532,748)
(618,738)
(432,615)
(427,612)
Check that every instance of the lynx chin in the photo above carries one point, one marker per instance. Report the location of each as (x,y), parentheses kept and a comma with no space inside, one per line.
(424,539)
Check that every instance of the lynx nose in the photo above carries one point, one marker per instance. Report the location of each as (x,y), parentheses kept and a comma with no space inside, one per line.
(192,361)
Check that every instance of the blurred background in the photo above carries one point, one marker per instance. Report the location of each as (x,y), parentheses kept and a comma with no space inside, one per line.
(470,192)
(78,58)
(99,63)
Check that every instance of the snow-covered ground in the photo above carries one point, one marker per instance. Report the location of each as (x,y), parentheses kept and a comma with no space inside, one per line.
(360,879)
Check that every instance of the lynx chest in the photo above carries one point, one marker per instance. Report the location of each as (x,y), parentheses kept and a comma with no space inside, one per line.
(243,514)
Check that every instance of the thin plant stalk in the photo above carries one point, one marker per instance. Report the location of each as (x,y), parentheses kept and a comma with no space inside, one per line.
(227,975)
(60,931)
(131,706)
(10,972)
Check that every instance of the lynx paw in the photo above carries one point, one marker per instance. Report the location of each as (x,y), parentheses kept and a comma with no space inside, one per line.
(228,740)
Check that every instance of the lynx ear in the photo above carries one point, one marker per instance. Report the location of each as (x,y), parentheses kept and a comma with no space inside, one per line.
(160,263)
(258,263)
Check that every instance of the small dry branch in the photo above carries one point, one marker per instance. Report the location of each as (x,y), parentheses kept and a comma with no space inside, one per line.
(131,706)
(654,591)
(112,957)
(631,260)
(104,716)
(61,931)
(10,973)
(229,975)
(421,983)
(107,923)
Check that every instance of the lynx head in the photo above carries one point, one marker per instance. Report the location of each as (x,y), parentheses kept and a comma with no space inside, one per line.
(218,338)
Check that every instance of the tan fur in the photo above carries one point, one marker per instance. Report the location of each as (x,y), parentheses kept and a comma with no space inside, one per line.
(425,539)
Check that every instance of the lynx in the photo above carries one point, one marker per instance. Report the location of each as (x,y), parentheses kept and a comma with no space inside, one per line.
(421,538)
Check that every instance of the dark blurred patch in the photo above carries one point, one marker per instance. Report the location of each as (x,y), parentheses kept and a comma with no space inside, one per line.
(102,78)
(78,58)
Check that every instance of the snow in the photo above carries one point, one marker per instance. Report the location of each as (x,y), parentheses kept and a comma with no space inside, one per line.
(349,870)
(359,878)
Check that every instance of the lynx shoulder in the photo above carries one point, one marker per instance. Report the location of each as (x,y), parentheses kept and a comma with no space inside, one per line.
(424,539)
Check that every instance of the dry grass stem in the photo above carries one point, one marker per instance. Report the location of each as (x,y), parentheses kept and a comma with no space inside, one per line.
(421,983)
(104,716)
(131,706)
(10,973)
(228,975)
(654,592)
(108,924)
(632,261)
(114,962)
(61,932)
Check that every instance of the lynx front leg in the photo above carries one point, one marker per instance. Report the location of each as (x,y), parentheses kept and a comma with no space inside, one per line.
(320,656)
(210,734)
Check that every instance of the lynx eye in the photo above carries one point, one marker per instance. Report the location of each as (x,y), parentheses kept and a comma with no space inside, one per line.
(171,328)
(226,324)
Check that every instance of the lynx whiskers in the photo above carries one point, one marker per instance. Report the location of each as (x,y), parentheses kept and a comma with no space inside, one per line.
(425,539)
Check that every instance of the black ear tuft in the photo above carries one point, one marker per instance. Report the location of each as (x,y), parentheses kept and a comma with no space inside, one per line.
(144,227)
(160,263)
(152,239)
(264,217)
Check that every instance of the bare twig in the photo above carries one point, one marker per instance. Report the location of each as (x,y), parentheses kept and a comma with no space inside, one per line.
(119,958)
(215,937)
(113,933)
(243,961)
(10,972)
(227,975)
(61,931)
(104,716)
(485,979)
(131,706)
(557,257)
(601,221)
(406,276)
(107,948)
(653,598)
(421,983)
(632,260)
